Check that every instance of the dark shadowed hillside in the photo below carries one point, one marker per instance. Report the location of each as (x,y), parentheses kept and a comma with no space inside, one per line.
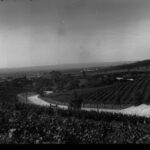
(144,63)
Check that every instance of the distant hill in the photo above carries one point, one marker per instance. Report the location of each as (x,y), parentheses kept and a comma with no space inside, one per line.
(143,63)
(61,67)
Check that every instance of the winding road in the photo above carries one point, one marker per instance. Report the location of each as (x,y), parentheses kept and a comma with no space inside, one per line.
(141,110)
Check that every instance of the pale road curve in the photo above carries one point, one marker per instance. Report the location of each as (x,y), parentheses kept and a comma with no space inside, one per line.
(141,110)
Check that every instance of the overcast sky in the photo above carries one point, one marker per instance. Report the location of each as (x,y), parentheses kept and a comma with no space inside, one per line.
(48,32)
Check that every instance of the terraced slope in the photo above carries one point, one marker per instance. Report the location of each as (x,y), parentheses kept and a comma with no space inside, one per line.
(119,93)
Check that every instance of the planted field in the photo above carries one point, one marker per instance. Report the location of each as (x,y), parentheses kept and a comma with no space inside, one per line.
(116,94)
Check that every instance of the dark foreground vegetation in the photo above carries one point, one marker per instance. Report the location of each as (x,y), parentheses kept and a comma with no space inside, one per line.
(28,124)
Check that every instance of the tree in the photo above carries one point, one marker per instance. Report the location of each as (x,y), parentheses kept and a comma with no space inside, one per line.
(148,100)
(84,74)
(41,92)
(76,102)
(42,83)
(55,76)
(118,99)
(74,84)
(138,98)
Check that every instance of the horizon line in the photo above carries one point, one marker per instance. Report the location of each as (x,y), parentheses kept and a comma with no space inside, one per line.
(76,63)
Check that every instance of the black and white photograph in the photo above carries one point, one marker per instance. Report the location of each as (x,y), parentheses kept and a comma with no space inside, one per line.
(74,72)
